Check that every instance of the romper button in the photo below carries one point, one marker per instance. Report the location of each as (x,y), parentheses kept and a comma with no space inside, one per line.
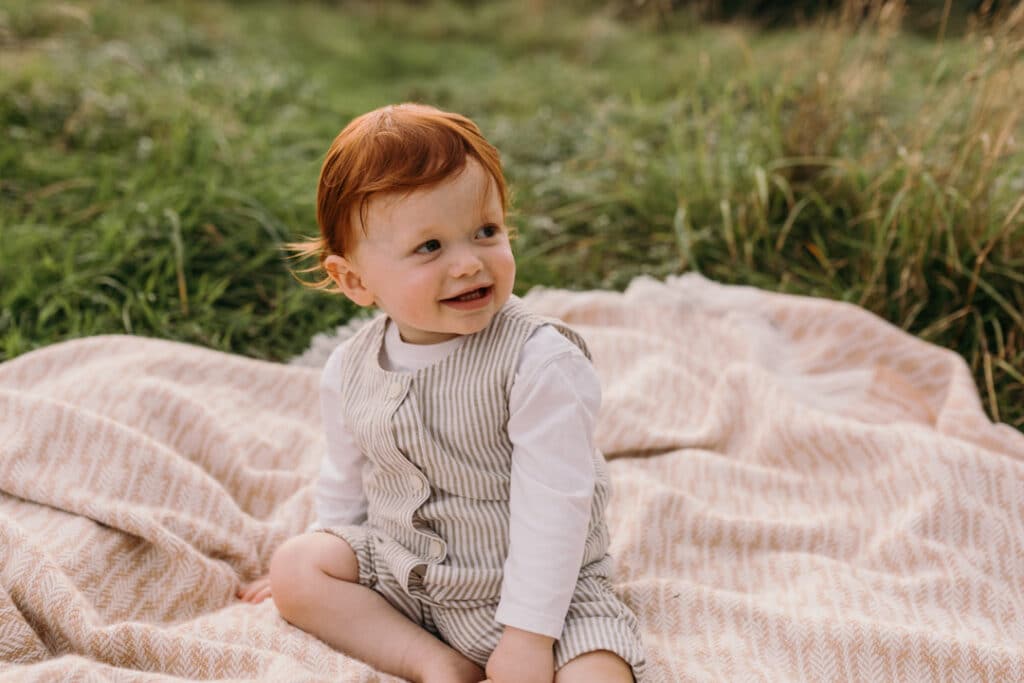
(396,389)
(436,549)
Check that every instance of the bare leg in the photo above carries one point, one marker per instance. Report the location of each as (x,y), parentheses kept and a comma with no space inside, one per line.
(314,583)
(601,666)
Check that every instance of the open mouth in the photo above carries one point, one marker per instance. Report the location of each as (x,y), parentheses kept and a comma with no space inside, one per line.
(471,296)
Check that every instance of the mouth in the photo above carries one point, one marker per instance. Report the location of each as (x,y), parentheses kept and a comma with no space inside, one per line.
(470,295)
(471,300)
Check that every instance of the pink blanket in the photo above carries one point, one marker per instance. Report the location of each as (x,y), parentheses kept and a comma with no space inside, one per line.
(801,492)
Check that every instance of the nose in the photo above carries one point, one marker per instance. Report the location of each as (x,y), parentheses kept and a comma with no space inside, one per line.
(465,263)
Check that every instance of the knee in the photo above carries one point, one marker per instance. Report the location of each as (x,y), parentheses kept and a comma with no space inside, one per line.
(600,665)
(291,577)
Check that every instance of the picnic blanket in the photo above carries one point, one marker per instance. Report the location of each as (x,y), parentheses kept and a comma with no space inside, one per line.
(802,492)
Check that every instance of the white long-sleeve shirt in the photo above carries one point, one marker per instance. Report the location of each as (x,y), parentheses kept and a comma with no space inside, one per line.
(553,408)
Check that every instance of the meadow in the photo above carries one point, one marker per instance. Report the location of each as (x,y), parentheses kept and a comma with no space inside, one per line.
(155,159)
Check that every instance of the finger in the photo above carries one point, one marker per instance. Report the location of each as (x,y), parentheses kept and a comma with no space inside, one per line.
(250,591)
(262,595)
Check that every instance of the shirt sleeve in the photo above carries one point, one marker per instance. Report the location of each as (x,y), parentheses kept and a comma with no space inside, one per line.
(553,408)
(339,488)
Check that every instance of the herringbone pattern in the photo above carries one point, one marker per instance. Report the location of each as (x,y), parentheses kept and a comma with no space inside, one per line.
(813,495)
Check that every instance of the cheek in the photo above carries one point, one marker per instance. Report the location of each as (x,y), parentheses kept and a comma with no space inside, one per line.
(507,264)
(417,283)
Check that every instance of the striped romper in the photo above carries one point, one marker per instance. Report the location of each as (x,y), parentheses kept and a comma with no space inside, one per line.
(437,483)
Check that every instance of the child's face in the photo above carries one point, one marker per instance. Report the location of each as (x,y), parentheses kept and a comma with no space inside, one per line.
(437,261)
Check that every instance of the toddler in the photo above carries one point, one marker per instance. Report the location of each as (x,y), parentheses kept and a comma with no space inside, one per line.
(460,526)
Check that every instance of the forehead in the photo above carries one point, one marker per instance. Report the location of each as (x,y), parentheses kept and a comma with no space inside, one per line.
(469,195)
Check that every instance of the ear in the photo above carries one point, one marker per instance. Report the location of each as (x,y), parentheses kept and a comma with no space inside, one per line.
(346,275)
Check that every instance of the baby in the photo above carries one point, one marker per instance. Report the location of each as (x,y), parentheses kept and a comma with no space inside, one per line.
(460,503)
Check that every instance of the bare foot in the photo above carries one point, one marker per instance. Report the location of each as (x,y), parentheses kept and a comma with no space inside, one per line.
(257,591)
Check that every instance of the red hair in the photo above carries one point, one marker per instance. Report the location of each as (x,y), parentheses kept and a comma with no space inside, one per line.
(397,148)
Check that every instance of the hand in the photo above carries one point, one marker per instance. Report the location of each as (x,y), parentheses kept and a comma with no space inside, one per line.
(522,657)
(255,592)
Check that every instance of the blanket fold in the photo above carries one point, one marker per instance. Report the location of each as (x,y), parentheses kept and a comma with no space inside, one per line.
(801,491)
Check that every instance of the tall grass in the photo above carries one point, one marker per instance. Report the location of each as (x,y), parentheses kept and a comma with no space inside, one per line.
(155,160)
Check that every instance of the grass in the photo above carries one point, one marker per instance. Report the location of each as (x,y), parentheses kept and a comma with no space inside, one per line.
(156,159)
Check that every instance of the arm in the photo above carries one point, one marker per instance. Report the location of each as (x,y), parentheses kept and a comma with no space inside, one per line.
(339,487)
(553,409)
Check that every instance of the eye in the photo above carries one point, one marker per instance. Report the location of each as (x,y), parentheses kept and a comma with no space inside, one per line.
(428,246)
(487,231)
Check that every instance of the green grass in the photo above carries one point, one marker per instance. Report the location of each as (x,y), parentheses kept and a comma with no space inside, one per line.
(155,159)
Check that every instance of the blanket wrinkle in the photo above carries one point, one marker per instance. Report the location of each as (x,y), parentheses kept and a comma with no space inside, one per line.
(115,492)
(18,628)
(801,491)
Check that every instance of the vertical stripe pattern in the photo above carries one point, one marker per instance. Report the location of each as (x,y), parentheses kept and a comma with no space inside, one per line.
(437,486)
(438,481)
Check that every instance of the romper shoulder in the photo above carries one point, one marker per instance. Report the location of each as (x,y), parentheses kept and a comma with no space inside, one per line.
(343,352)
(332,368)
(519,314)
